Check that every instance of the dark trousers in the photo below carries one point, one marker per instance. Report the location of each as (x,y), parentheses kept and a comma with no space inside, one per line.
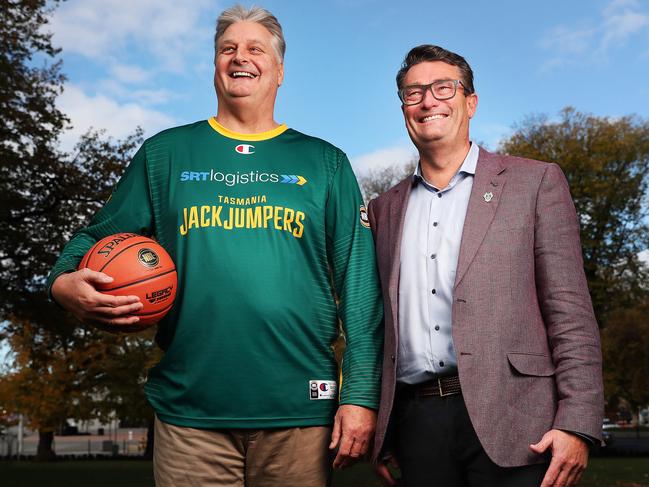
(436,445)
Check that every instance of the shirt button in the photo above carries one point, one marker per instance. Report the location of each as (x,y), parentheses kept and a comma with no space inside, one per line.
(434,291)
(434,224)
(441,364)
(437,327)
(439,195)
(432,256)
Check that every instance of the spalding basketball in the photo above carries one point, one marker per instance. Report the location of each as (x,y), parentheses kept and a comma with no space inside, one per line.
(140,267)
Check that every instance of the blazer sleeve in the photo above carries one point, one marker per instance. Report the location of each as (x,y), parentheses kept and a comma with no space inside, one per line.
(573,334)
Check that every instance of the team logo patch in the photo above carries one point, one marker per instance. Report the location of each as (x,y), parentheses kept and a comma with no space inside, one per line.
(245,149)
(322,389)
(365,221)
(148,258)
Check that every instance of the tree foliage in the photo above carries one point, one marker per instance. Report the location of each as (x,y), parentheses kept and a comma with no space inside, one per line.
(84,375)
(606,162)
(625,347)
(59,370)
(30,125)
(378,181)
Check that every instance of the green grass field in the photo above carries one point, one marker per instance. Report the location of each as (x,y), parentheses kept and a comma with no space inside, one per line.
(602,472)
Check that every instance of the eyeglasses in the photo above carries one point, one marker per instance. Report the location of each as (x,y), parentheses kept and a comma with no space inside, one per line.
(443,89)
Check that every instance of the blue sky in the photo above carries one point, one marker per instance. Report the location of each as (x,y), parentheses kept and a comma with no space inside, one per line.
(149,63)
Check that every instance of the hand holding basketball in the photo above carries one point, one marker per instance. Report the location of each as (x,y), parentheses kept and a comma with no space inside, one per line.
(77,292)
(125,282)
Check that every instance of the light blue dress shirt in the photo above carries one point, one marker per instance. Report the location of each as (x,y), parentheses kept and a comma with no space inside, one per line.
(430,246)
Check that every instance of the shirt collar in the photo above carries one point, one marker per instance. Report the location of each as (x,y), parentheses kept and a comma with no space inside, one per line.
(468,165)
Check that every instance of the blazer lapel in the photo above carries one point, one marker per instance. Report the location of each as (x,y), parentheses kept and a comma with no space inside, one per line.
(487,187)
(398,206)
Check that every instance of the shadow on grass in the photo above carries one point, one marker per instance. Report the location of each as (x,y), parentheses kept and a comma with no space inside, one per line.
(602,472)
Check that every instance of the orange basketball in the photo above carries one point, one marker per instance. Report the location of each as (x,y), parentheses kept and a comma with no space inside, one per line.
(139,266)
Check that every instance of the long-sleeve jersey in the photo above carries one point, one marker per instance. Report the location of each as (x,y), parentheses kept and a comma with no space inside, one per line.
(272,246)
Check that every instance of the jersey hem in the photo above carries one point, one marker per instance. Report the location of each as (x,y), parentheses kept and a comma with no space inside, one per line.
(254,423)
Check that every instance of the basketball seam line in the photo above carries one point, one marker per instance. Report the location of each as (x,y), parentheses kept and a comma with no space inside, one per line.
(155,312)
(138,282)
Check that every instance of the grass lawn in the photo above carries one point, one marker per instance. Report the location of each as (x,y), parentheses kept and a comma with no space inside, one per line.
(602,472)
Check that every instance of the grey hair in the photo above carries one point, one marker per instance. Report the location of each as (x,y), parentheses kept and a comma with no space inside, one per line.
(239,13)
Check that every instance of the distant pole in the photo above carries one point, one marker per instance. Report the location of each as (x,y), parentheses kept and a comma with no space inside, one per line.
(21,426)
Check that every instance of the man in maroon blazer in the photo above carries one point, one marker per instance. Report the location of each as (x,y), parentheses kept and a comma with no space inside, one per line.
(492,364)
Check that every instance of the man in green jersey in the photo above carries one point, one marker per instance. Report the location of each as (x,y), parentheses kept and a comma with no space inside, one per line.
(260,220)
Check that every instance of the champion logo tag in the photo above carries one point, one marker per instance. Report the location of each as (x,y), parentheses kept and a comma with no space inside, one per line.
(245,149)
(323,389)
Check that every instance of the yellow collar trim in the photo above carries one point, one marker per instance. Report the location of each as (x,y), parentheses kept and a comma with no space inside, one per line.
(248,137)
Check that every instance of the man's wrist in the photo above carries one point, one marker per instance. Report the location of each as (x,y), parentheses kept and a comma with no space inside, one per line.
(588,440)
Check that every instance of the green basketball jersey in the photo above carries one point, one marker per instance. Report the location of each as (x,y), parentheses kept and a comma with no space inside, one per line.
(272,246)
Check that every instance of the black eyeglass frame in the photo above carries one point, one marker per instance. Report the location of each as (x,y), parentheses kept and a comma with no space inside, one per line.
(429,87)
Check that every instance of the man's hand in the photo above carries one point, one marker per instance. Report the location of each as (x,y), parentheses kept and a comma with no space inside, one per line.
(382,470)
(76,292)
(352,433)
(569,458)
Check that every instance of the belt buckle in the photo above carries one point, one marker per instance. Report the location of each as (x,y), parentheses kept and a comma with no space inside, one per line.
(441,391)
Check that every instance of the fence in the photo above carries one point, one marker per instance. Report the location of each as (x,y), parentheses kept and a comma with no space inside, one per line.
(121,442)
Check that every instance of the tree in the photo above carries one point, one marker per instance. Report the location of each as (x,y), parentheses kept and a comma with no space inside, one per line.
(606,162)
(30,125)
(378,181)
(85,375)
(125,369)
(59,370)
(625,347)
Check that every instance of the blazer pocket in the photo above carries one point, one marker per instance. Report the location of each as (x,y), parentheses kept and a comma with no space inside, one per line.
(531,387)
(531,364)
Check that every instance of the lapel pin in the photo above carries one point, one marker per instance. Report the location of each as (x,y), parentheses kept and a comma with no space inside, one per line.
(488,196)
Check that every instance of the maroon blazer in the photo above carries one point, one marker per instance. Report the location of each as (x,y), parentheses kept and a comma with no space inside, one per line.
(524,331)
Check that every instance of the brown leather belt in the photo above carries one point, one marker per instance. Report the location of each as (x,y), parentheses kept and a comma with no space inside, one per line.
(440,387)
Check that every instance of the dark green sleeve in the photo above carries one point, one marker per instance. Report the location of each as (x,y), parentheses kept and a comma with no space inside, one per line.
(351,254)
(127,210)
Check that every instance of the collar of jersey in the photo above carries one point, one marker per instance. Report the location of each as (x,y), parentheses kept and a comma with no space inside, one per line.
(248,137)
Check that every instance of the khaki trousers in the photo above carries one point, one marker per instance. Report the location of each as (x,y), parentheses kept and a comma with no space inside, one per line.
(189,457)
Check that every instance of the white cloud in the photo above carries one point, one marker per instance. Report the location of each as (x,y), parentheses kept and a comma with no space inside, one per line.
(381,158)
(590,42)
(122,92)
(622,19)
(129,73)
(169,30)
(570,40)
(101,112)
(644,256)
(153,97)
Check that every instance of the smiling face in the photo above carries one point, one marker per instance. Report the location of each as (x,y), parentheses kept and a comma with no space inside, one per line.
(438,123)
(247,69)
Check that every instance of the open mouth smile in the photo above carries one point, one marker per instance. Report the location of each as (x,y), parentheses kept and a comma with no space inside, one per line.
(436,116)
(243,74)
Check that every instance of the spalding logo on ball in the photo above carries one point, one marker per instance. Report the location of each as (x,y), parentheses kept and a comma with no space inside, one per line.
(139,266)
